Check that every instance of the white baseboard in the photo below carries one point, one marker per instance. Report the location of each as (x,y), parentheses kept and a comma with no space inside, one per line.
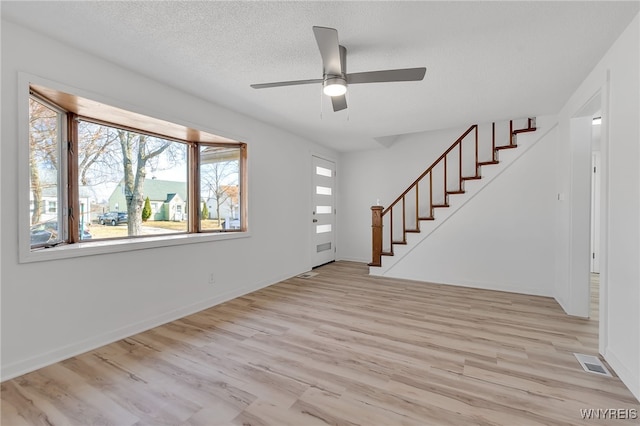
(624,373)
(353,259)
(33,363)
(505,287)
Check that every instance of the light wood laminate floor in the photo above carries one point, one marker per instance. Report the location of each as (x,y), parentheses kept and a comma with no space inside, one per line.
(340,348)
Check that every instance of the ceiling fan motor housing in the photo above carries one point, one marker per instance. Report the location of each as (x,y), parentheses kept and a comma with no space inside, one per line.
(334,85)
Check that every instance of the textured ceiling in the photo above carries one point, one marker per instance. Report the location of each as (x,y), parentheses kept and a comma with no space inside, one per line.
(485,60)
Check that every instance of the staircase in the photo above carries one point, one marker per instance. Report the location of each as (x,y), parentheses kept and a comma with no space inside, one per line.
(432,191)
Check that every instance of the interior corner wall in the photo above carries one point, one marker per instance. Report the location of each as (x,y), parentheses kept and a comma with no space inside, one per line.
(55,309)
(616,77)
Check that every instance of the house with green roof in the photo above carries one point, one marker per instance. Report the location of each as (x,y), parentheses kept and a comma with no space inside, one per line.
(167,199)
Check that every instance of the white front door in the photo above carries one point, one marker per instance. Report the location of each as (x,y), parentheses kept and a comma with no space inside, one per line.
(323,212)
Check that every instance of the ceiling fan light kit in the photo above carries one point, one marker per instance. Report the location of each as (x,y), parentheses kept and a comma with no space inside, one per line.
(334,86)
(334,71)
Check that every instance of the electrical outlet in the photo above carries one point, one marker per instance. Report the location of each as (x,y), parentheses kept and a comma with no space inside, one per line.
(211,279)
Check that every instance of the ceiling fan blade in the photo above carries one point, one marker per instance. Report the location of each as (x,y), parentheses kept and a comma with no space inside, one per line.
(385,76)
(327,39)
(286,83)
(339,102)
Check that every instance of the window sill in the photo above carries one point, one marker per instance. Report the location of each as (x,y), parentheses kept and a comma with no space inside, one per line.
(116,246)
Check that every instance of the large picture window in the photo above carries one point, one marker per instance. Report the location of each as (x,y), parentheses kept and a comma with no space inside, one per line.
(100,173)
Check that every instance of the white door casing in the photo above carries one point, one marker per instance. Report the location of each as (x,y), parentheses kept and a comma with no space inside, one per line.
(595,214)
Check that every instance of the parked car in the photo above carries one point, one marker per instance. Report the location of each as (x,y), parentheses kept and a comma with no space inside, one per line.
(44,232)
(232,224)
(113,218)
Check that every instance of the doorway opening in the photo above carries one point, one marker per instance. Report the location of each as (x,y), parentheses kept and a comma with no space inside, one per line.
(587,146)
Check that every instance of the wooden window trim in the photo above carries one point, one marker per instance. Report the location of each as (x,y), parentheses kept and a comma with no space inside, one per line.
(100,112)
(72,176)
(244,198)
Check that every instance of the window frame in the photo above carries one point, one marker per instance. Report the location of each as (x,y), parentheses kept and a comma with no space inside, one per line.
(63,161)
(73,246)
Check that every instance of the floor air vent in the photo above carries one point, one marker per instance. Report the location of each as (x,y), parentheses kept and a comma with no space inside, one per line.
(592,364)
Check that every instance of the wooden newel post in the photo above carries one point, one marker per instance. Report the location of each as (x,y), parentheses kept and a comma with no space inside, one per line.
(376,236)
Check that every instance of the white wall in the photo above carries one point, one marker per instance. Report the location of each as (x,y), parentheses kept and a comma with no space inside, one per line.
(616,78)
(54,309)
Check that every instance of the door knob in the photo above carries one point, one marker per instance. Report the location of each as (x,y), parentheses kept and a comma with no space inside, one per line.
(315,220)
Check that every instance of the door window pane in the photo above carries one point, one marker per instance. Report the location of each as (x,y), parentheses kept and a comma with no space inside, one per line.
(321,229)
(323,171)
(323,190)
(323,209)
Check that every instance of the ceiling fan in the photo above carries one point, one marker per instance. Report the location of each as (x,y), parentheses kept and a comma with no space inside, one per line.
(334,71)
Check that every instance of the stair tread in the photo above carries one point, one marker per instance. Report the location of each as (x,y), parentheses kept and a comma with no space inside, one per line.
(457,191)
(440,205)
(412,230)
(531,129)
(426,218)
(387,253)
(486,163)
(471,177)
(399,242)
(506,147)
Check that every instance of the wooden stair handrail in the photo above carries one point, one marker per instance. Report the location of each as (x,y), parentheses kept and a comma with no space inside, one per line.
(435,163)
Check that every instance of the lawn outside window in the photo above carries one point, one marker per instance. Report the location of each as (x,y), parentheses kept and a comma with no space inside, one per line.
(104,179)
